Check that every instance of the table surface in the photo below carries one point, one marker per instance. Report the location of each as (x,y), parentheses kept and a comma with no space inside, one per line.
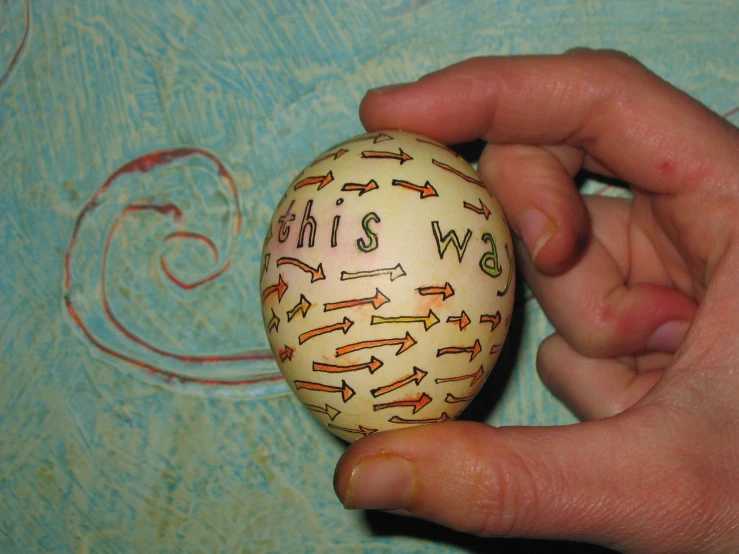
(143,147)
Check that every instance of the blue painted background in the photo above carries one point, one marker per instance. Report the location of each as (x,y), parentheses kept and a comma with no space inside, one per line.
(96,453)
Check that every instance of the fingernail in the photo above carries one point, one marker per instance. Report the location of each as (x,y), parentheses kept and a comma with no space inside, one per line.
(668,336)
(381,483)
(535,229)
(388,88)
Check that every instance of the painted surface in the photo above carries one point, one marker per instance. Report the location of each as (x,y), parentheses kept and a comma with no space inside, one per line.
(143,148)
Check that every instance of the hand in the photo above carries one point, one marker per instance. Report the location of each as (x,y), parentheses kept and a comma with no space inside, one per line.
(644,295)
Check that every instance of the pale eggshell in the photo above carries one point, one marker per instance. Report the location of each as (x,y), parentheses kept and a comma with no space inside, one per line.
(387,284)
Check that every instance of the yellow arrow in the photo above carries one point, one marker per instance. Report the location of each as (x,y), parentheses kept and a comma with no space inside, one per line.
(428,321)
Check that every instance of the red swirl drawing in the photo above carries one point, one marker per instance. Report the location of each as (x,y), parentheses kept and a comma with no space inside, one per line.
(103,326)
(23,12)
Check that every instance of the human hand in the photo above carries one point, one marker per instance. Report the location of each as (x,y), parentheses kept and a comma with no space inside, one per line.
(642,294)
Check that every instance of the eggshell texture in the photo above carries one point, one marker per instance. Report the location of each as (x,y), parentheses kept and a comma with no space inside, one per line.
(387,284)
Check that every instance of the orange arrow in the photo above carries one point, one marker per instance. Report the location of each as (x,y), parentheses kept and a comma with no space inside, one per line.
(330,411)
(476,376)
(417,376)
(279,288)
(451,399)
(363,189)
(416,403)
(462,320)
(446,291)
(301,307)
(432,143)
(361,431)
(346,391)
(381,137)
(405,343)
(373,365)
(393,272)
(482,210)
(286,353)
(496,348)
(428,321)
(402,156)
(458,173)
(493,319)
(274,322)
(426,191)
(335,155)
(320,180)
(316,274)
(397,419)
(473,350)
(344,326)
(377,300)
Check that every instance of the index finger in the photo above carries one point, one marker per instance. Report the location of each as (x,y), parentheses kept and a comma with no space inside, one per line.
(624,116)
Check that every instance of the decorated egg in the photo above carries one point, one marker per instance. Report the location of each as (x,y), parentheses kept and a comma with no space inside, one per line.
(387,284)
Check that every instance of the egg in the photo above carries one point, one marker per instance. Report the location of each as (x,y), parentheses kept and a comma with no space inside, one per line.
(387,284)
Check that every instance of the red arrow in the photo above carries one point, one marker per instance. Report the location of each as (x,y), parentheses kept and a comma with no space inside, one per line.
(476,376)
(458,173)
(426,191)
(416,403)
(346,391)
(279,288)
(375,154)
(463,320)
(377,300)
(473,350)
(493,319)
(373,365)
(361,431)
(330,411)
(344,326)
(397,419)
(320,180)
(335,155)
(451,399)
(316,274)
(417,376)
(405,343)
(363,189)
(482,210)
(301,307)
(286,353)
(446,291)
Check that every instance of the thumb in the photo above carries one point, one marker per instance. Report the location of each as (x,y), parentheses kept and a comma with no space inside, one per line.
(579,482)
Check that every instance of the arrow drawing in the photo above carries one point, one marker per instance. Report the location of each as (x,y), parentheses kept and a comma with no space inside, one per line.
(417,376)
(474,350)
(373,365)
(316,274)
(394,273)
(482,210)
(301,307)
(462,320)
(398,419)
(362,188)
(432,143)
(428,321)
(475,377)
(320,180)
(379,155)
(335,155)
(376,301)
(274,322)
(446,291)
(458,173)
(381,137)
(278,288)
(405,343)
(346,391)
(361,431)
(416,403)
(330,411)
(286,353)
(493,319)
(344,326)
(426,190)
(451,399)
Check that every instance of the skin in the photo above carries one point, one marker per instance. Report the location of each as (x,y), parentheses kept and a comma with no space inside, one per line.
(642,293)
